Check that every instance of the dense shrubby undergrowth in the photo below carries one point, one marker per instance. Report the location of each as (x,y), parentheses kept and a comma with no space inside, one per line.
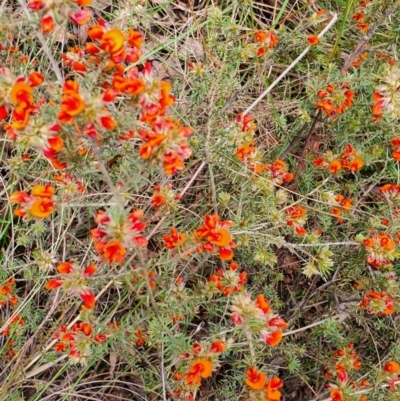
(199,200)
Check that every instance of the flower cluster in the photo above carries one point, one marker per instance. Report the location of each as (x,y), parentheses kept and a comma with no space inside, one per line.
(346,360)
(70,185)
(14,326)
(73,280)
(378,303)
(261,388)
(246,123)
(67,8)
(278,172)
(335,100)
(386,96)
(88,111)
(391,192)
(197,364)
(385,57)
(247,152)
(7,296)
(164,198)
(380,248)
(140,337)
(109,48)
(214,234)
(395,142)
(297,216)
(359,60)
(116,232)
(16,97)
(175,239)
(267,40)
(39,203)
(360,18)
(243,137)
(78,341)
(40,136)
(166,142)
(343,204)
(227,281)
(258,317)
(348,160)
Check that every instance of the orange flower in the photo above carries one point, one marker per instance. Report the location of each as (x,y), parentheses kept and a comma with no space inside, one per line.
(269,38)
(80,17)
(272,392)
(88,299)
(345,203)
(112,41)
(215,234)
(116,233)
(6,293)
(113,251)
(72,103)
(108,122)
(260,36)
(39,204)
(297,219)
(255,379)
(36,5)
(225,254)
(358,17)
(53,283)
(336,395)
(3,112)
(387,242)
(42,208)
(35,79)
(43,191)
(363,26)
(95,32)
(218,346)
(392,367)
(201,369)
(263,304)
(175,239)
(312,40)
(20,118)
(278,172)
(20,94)
(356,164)
(395,142)
(272,338)
(47,24)
(337,213)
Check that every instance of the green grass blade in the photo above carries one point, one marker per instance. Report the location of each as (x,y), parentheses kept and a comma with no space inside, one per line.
(345,17)
(281,11)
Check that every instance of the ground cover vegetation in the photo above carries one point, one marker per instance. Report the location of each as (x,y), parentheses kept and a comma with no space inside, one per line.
(199,200)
